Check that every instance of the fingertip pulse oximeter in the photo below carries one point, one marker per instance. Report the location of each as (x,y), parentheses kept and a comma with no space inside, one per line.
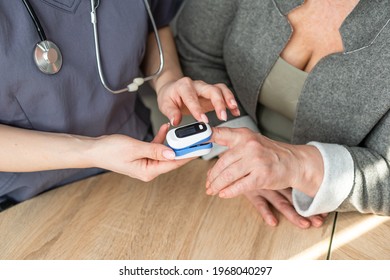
(190,140)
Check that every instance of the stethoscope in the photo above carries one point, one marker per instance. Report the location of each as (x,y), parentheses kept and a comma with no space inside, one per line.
(48,58)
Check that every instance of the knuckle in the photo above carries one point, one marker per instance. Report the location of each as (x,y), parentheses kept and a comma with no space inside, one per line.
(222,162)
(244,131)
(237,188)
(147,177)
(150,178)
(252,144)
(284,205)
(186,81)
(142,177)
(241,187)
(261,203)
(154,153)
(227,176)
(212,90)
(223,87)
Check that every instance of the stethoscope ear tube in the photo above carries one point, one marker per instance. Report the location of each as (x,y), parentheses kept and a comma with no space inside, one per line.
(138,81)
(35,20)
(48,57)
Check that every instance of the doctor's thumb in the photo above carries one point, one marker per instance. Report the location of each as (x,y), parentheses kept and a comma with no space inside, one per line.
(159,152)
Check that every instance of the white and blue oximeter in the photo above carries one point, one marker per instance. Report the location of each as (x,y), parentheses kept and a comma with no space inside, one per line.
(190,140)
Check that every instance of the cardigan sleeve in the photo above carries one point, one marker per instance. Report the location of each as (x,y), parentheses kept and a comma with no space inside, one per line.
(371,190)
(201,27)
(366,189)
(200,30)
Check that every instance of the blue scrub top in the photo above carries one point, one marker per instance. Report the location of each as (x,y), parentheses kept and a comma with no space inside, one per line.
(73,100)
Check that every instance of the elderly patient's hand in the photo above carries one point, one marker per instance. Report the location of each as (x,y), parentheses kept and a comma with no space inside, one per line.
(281,200)
(254,162)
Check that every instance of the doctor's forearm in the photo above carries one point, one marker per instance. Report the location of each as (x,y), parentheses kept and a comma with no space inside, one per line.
(25,150)
(172,70)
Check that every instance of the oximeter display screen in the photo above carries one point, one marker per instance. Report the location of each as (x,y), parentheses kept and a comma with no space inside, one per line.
(189,130)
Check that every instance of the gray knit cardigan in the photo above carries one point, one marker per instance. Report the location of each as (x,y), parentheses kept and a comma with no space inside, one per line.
(345,99)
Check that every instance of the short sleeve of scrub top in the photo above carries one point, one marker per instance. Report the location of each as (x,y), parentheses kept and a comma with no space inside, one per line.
(73,100)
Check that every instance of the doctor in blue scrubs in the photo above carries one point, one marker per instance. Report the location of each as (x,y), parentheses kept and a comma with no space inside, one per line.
(56,128)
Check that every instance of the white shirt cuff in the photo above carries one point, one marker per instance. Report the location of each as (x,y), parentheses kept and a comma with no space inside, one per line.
(336,185)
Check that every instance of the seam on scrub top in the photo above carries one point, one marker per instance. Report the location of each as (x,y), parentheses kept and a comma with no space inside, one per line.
(63,7)
(24,113)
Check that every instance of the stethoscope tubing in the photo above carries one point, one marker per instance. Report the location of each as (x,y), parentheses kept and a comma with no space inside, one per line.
(137,82)
(35,19)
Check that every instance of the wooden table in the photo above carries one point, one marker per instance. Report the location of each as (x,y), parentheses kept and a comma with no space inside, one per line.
(111,216)
(363,237)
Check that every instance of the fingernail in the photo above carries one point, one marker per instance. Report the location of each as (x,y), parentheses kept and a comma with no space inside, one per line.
(204,118)
(234,103)
(318,222)
(224,116)
(172,120)
(222,195)
(304,223)
(272,221)
(168,154)
(166,126)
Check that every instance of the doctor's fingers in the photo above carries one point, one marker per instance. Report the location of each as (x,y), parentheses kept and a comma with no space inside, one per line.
(165,166)
(170,109)
(220,97)
(186,91)
(153,168)
(230,100)
(161,134)
(154,151)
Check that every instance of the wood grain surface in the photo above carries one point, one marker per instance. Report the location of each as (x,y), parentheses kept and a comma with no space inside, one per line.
(112,216)
(361,237)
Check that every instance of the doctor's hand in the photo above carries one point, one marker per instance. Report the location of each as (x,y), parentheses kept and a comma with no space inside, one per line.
(254,162)
(134,158)
(186,96)
(281,200)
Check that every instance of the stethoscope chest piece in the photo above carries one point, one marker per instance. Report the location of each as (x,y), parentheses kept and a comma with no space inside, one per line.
(47,57)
